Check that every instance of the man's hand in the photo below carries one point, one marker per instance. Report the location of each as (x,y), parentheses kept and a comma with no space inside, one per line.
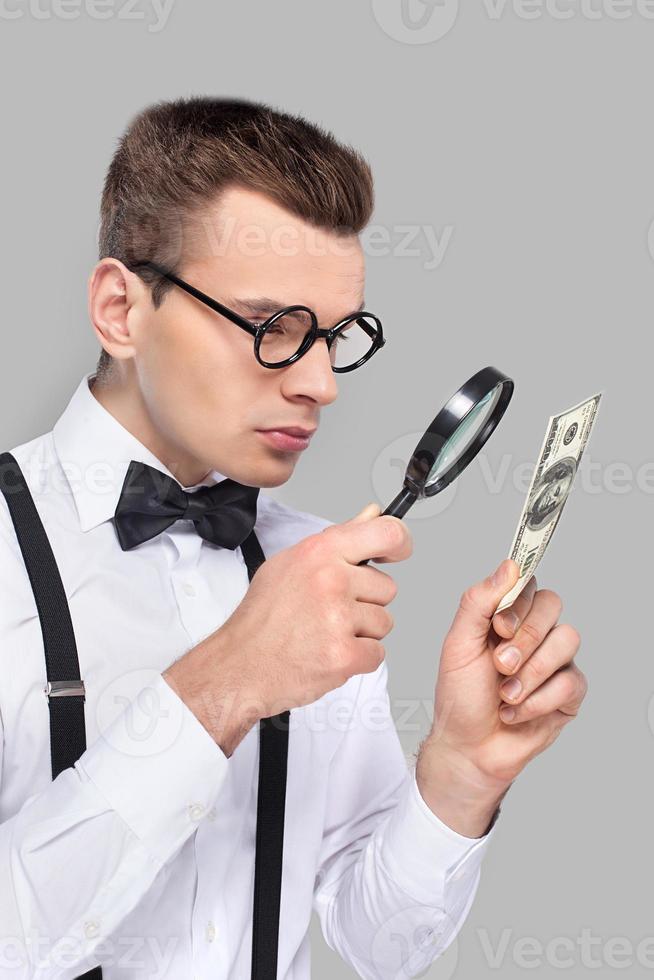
(312,618)
(494,714)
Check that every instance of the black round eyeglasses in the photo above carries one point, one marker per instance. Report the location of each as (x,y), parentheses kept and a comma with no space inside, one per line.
(285,336)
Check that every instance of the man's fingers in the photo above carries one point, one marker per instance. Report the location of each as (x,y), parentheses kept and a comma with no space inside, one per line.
(562,693)
(371,536)
(556,651)
(370,510)
(373,620)
(478,603)
(506,623)
(541,618)
(373,585)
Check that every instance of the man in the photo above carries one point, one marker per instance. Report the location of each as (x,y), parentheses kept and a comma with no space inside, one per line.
(139,858)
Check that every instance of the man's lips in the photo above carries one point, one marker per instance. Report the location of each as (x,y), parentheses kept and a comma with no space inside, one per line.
(291,431)
(290,439)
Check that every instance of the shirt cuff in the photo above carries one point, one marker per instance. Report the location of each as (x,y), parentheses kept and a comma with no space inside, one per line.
(158,767)
(422,854)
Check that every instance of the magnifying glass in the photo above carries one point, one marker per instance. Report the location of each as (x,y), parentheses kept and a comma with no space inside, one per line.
(454,438)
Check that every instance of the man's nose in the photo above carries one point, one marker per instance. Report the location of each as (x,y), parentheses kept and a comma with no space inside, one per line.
(312,375)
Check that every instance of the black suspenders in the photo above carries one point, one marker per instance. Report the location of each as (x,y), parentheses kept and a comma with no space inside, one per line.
(65,693)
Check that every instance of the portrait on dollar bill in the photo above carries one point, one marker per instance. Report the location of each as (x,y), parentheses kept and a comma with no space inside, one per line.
(551,493)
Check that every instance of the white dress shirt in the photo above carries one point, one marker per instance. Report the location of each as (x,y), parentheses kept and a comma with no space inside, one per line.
(140,857)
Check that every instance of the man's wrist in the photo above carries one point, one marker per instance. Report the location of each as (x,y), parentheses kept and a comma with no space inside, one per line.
(226,710)
(452,789)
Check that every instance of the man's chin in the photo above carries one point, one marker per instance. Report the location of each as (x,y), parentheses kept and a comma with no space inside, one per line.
(272,470)
(276,476)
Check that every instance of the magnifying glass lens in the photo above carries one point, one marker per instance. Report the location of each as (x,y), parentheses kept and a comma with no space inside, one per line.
(453,438)
(467,431)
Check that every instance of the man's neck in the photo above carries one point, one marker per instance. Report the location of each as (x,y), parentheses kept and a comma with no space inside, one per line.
(123,401)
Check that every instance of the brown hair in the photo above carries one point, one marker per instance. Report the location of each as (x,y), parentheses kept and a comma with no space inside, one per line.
(176,157)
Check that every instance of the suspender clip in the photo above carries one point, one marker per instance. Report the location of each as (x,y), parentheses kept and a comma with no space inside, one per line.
(61,689)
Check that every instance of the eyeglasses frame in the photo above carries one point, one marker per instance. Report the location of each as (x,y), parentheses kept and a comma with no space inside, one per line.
(258,331)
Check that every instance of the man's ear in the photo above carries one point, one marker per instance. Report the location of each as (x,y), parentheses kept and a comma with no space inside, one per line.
(112,292)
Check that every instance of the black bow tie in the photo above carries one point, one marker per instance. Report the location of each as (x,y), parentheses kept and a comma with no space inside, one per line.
(150,501)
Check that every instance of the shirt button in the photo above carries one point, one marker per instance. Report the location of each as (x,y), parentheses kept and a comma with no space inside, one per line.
(196,811)
(91,928)
(188,588)
(210,932)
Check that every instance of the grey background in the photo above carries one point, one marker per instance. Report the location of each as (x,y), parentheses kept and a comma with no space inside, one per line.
(532,140)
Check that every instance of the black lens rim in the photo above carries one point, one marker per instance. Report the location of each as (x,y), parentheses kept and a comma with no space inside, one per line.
(445,424)
(377,342)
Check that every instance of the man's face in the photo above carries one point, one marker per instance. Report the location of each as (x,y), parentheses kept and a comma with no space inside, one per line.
(553,493)
(197,372)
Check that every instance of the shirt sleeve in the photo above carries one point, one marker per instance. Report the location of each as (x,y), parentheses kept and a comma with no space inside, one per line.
(78,856)
(395,884)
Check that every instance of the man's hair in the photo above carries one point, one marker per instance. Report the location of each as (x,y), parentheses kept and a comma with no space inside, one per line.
(176,157)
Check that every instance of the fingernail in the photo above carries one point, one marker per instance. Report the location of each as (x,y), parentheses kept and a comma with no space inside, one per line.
(507,713)
(511,619)
(498,574)
(511,688)
(509,658)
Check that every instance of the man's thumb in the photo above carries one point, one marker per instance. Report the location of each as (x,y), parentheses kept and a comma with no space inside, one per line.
(369,511)
(478,604)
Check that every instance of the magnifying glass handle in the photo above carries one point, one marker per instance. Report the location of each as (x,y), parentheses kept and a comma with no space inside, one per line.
(397,508)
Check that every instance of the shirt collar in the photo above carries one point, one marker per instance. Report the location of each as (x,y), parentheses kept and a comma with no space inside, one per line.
(95,450)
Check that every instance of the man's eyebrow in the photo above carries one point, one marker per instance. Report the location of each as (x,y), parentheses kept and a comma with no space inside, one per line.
(257,305)
(260,304)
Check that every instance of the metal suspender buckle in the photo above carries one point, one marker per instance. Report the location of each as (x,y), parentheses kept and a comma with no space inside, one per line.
(61,689)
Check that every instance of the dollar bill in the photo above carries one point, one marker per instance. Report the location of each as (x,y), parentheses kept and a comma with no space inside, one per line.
(565,440)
